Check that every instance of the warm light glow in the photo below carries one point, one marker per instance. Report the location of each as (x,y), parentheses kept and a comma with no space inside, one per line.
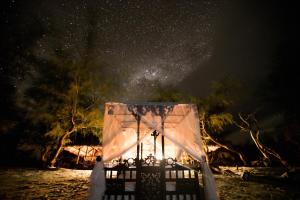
(159,156)
(212,147)
(148,149)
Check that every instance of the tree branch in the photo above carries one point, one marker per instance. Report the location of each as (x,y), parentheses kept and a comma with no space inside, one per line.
(244,120)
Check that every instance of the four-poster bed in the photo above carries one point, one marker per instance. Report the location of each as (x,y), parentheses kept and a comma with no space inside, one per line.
(145,146)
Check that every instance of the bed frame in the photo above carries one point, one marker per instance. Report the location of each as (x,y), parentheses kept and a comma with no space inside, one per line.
(151,179)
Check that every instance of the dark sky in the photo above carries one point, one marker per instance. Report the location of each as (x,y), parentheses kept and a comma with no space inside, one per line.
(186,44)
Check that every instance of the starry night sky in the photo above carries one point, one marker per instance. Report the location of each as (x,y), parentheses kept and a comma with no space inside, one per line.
(147,44)
(185,44)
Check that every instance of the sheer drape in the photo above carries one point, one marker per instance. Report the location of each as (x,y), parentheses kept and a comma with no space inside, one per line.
(97,182)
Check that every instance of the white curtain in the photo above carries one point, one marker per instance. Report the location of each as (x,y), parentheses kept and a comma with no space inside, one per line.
(97,182)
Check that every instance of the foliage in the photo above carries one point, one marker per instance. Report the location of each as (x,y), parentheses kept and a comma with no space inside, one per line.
(215,106)
(226,93)
(63,96)
(217,122)
(167,94)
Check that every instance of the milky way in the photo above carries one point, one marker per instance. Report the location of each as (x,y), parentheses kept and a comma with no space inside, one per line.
(158,42)
(185,44)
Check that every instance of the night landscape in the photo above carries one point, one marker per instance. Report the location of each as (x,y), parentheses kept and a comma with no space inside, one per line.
(112,78)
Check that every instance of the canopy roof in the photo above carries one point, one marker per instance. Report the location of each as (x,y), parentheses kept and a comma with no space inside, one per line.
(179,124)
(87,152)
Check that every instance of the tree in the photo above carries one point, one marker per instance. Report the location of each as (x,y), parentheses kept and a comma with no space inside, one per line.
(217,121)
(214,115)
(167,94)
(64,99)
(249,124)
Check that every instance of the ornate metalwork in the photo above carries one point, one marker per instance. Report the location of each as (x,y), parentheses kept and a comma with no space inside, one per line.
(138,110)
(142,109)
(162,110)
(149,161)
(116,162)
(155,134)
(151,180)
(171,162)
(150,185)
(130,162)
(114,186)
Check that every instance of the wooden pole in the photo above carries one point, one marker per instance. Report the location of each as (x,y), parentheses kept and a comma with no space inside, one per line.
(162,163)
(141,150)
(77,161)
(138,137)
(87,147)
(162,139)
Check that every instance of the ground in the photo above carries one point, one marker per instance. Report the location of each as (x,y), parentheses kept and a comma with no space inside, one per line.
(44,184)
(73,184)
(265,184)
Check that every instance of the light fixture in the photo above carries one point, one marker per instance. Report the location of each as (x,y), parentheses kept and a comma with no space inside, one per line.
(110,110)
